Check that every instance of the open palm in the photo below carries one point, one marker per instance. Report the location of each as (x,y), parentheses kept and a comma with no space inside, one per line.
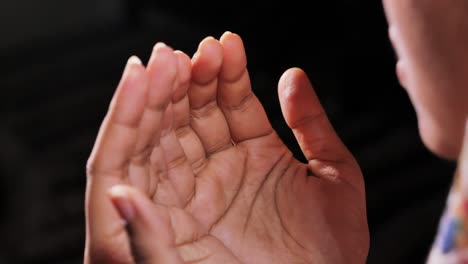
(211,180)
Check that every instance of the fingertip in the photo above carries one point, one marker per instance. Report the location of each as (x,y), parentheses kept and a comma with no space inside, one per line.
(128,103)
(119,191)
(145,222)
(120,196)
(161,54)
(159,45)
(208,39)
(164,54)
(234,56)
(290,73)
(207,61)
(133,67)
(162,72)
(290,81)
(306,116)
(134,60)
(204,46)
(297,97)
(226,33)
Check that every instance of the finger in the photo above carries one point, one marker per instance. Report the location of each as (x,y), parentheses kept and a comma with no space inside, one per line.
(244,112)
(205,113)
(188,139)
(107,165)
(118,133)
(179,171)
(162,73)
(106,240)
(160,234)
(149,226)
(305,116)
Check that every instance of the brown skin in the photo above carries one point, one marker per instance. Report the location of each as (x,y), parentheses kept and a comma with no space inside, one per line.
(431,40)
(212,182)
(200,176)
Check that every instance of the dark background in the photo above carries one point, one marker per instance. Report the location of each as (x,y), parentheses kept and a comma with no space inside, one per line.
(61,60)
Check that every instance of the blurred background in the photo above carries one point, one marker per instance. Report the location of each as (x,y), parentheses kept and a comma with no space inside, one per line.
(61,61)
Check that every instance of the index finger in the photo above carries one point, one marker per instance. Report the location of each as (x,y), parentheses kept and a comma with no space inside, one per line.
(118,133)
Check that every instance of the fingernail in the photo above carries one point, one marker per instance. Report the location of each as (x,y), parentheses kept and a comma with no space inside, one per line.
(134,60)
(120,197)
(156,49)
(226,33)
(206,39)
(159,45)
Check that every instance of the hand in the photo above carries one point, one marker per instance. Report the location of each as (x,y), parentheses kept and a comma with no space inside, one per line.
(212,181)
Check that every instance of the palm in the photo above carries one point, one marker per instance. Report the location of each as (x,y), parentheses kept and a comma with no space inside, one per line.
(232,189)
(274,210)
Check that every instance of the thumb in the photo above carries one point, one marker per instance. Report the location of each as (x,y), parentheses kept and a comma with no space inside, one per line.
(316,137)
(148,226)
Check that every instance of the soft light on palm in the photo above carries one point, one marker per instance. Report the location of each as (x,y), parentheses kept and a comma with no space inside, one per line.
(212,164)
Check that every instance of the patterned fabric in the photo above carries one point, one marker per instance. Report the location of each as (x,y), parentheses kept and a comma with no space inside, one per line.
(451,243)
(56,93)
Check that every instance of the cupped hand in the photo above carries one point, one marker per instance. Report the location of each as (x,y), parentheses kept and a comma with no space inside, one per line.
(187,169)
